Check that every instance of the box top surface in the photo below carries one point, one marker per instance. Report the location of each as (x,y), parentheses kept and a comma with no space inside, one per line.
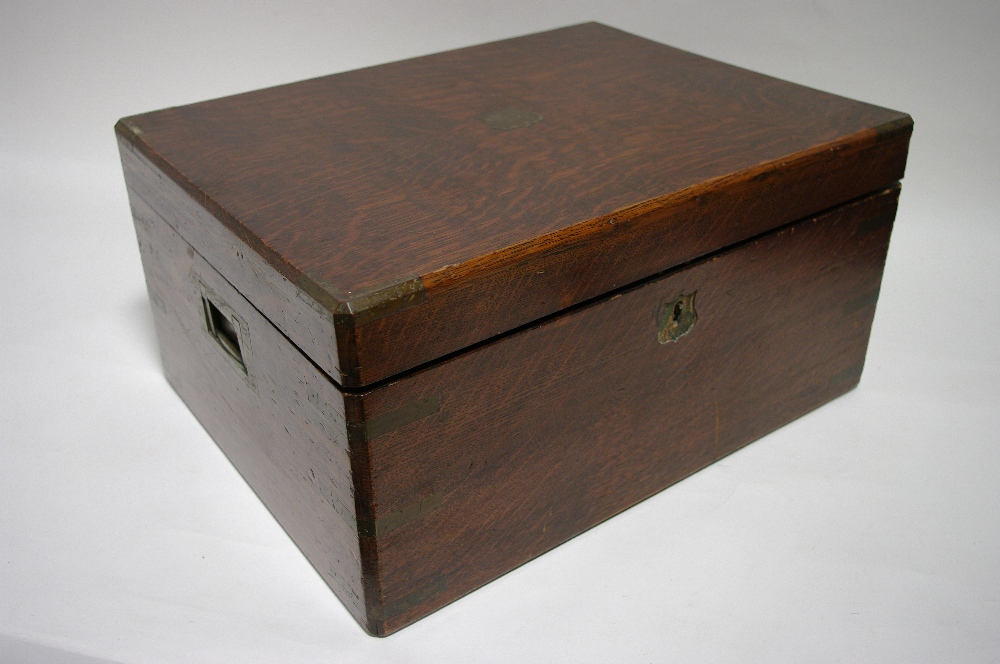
(435,174)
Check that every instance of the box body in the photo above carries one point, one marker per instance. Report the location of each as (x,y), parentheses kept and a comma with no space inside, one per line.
(655,337)
(407,496)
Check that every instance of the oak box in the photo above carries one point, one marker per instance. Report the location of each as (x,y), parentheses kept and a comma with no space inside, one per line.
(445,314)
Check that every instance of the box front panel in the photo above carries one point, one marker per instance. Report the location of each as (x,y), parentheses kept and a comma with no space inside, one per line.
(502,452)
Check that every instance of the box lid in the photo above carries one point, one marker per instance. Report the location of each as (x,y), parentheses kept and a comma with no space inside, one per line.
(427,205)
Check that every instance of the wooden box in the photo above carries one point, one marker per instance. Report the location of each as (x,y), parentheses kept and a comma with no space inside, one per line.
(445,314)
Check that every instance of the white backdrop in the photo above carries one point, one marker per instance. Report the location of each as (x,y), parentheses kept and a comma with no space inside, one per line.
(866,531)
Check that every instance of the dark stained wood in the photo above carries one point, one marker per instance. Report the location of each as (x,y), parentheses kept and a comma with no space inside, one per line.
(548,431)
(297,315)
(447,313)
(281,423)
(408,495)
(398,226)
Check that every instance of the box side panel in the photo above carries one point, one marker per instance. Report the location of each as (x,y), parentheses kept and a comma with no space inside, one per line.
(278,419)
(297,314)
(488,459)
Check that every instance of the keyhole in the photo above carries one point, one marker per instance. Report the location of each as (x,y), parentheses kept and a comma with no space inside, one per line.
(676,318)
(678,310)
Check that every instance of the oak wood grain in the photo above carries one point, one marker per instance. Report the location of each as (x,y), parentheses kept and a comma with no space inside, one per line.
(404,226)
(413,493)
(548,431)
(296,314)
(281,423)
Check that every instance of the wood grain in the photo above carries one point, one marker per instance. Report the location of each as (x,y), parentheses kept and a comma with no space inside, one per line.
(296,314)
(404,227)
(548,431)
(449,281)
(408,495)
(282,424)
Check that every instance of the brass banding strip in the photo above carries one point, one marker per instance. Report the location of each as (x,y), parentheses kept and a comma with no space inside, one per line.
(390,522)
(394,419)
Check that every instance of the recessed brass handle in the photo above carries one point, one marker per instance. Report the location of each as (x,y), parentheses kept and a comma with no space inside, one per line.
(677,318)
(226,330)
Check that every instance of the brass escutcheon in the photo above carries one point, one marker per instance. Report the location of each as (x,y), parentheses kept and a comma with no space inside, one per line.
(509,118)
(677,318)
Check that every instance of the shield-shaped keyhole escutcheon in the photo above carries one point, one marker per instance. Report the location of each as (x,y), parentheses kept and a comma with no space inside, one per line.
(677,318)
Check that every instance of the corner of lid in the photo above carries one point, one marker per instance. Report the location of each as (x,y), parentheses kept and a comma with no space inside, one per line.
(128,128)
(401,294)
(320,294)
(894,128)
(348,311)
